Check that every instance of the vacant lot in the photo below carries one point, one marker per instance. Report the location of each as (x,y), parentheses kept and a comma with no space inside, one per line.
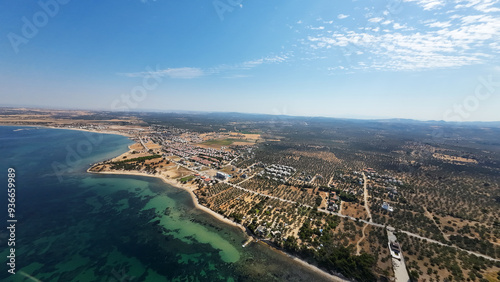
(217,143)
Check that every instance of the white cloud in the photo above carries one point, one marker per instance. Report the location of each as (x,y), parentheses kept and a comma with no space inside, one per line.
(484,6)
(183,73)
(190,73)
(233,76)
(398,26)
(342,16)
(428,4)
(495,46)
(439,24)
(467,40)
(276,59)
(266,60)
(375,20)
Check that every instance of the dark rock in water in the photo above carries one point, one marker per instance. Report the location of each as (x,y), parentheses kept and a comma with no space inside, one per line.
(156,222)
(167,211)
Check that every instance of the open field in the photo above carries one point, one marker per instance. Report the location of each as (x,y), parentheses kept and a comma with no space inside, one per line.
(218,143)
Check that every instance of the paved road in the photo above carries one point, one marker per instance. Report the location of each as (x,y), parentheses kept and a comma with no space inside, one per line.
(400,272)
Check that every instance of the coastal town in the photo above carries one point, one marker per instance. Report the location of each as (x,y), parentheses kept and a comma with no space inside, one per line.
(275,203)
(337,214)
(231,140)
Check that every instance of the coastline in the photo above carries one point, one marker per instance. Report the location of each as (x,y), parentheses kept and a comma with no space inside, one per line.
(174,183)
(71,128)
(304,263)
(188,188)
(91,131)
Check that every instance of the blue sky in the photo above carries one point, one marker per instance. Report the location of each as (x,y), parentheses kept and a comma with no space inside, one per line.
(419,59)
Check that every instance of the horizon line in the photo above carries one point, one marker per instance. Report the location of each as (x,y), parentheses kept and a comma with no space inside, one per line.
(247,113)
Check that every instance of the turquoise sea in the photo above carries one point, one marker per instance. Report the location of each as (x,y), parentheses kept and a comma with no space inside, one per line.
(76,226)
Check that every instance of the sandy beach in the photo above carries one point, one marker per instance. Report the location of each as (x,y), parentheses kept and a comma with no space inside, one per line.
(176,184)
(71,128)
(92,131)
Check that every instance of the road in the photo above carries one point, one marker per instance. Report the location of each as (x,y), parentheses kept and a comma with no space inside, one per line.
(453,246)
(231,162)
(400,272)
(365,194)
(246,179)
(429,216)
(239,187)
(358,246)
(260,194)
(143,144)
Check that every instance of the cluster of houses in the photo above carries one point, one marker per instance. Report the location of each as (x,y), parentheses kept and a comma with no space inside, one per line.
(204,161)
(178,142)
(181,150)
(204,156)
(386,182)
(332,202)
(262,231)
(371,174)
(166,130)
(206,180)
(86,126)
(392,191)
(277,172)
(307,178)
